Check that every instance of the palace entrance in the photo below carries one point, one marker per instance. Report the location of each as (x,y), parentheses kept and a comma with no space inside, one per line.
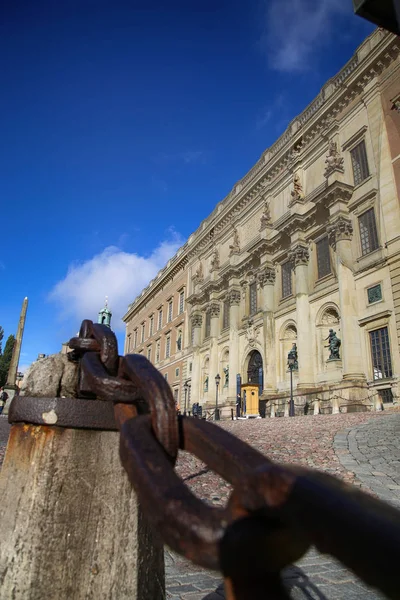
(251,390)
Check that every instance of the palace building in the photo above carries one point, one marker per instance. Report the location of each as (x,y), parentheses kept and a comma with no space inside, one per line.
(307,242)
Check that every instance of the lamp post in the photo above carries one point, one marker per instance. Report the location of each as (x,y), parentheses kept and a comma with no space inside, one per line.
(185,387)
(291,363)
(217,380)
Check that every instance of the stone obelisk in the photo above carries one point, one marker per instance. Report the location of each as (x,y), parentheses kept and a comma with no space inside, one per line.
(11,386)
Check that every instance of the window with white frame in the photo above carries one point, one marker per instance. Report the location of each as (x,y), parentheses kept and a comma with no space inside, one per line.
(323,257)
(168,346)
(149,353)
(181,301)
(286,279)
(128,343)
(170,304)
(135,333)
(176,396)
(177,372)
(380,353)
(368,232)
(253,297)
(359,163)
(158,349)
(166,376)
(160,318)
(143,332)
(151,326)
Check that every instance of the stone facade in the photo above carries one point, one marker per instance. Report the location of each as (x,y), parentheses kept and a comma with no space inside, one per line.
(306,242)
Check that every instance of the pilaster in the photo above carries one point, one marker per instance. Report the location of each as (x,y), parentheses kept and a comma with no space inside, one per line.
(234,297)
(214,309)
(266,279)
(196,323)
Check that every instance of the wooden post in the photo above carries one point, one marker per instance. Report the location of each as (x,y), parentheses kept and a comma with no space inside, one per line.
(70,521)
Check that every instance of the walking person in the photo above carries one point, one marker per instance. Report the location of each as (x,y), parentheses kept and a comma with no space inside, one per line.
(3,399)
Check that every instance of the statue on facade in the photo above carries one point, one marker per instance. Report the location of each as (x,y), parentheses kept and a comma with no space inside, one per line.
(334,162)
(297,192)
(293,354)
(214,260)
(265,219)
(179,340)
(226,372)
(206,384)
(199,275)
(334,344)
(235,247)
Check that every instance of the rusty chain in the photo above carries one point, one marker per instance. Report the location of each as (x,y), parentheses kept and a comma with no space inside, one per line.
(275,512)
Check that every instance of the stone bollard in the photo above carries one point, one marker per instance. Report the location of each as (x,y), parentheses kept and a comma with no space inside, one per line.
(71,526)
(272,415)
(316,407)
(287,406)
(335,405)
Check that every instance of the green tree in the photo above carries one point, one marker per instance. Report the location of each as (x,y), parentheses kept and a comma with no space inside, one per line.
(1,337)
(5,359)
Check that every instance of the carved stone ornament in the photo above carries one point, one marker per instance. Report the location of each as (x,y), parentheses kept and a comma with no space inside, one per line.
(199,275)
(299,255)
(334,161)
(233,297)
(267,276)
(265,220)
(341,229)
(197,320)
(297,191)
(234,248)
(215,260)
(252,333)
(214,309)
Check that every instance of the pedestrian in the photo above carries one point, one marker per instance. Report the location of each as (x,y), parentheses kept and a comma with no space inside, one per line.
(3,399)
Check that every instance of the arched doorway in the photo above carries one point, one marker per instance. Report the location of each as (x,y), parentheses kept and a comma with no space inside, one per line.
(255,368)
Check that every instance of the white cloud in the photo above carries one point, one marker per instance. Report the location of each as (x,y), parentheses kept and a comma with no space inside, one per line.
(295,29)
(119,275)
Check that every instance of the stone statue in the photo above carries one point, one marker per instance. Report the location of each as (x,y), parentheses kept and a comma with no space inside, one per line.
(293,354)
(235,247)
(266,216)
(334,162)
(179,340)
(297,192)
(214,260)
(199,275)
(226,371)
(333,345)
(206,384)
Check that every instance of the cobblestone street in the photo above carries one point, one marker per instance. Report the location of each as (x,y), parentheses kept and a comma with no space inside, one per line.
(361,448)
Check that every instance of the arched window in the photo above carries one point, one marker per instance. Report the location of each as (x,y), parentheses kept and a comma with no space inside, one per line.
(254,369)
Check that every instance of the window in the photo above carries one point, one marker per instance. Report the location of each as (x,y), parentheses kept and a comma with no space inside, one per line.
(374,293)
(168,347)
(160,318)
(177,372)
(142,338)
(286,279)
(380,350)
(158,346)
(360,163)
(225,318)
(253,298)
(176,396)
(368,233)
(181,301)
(151,327)
(208,324)
(170,311)
(386,395)
(323,258)
(149,353)
(128,343)
(135,339)
(190,367)
(166,376)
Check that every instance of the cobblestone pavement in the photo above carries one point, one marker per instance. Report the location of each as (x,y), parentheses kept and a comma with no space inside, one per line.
(360,448)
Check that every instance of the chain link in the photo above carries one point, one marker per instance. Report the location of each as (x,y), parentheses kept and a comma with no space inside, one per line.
(275,512)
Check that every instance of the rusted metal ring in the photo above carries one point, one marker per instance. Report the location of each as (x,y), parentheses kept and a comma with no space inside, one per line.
(157,394)
(63,412)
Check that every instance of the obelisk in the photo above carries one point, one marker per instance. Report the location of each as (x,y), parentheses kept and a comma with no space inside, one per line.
(11,386)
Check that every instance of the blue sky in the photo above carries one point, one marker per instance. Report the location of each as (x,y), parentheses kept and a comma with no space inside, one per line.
(123,123)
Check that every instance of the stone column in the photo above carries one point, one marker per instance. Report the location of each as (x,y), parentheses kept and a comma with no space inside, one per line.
(340,233)
(234,325)
(266,278)
(214,309)
(299,255)
(196,323)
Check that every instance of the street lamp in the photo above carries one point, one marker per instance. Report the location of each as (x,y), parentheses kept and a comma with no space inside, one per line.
(291,364)
(217,380)
(185,387)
